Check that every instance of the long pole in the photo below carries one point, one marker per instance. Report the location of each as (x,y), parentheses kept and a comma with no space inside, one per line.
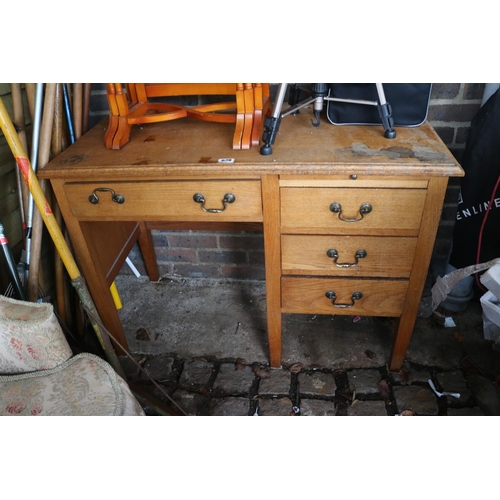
(57,147)
(43,156)
(19,120)
(41,202)
(77,109)
(35,144)
(87,91)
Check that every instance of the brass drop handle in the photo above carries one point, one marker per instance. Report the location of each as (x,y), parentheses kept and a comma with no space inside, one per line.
(117,198)
(364,209)
(228,198)
(333,254)
(333,297)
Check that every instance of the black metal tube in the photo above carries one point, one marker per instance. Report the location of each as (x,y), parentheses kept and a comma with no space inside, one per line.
(69,116)
(11,265)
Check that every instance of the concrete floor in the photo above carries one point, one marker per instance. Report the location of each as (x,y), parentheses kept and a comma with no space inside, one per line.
(225,321)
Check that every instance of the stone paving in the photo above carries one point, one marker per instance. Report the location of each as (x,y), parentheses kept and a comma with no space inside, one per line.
(205,346)
(211,387)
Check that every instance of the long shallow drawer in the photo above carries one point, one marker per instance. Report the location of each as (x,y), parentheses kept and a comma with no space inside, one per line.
(352,211)
(169,200)
(370,256)
(363,297)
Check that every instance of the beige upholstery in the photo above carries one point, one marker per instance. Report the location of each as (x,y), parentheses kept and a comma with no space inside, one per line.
(39,376)
(30,337)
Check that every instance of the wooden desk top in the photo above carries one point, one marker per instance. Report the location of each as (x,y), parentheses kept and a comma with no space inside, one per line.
(188,147)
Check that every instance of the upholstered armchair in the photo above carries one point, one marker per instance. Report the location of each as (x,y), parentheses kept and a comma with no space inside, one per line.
(40,376)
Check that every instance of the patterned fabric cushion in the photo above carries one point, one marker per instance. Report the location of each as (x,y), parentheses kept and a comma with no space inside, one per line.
(85,385)
(30,337)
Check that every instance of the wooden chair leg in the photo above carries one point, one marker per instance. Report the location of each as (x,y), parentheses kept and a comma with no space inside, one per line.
(131,92)
(246,138)
(121,100)
(111,94)
(262,108)
(122,135)
(110,133)
(113,116)
(240,116)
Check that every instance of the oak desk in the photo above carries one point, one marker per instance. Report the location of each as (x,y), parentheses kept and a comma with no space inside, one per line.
(349,218)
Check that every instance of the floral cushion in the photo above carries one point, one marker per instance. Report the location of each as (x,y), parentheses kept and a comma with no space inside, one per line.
(85,385)
(30,337)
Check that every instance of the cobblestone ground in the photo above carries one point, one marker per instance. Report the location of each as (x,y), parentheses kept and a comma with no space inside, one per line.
(204,344)
(235,387)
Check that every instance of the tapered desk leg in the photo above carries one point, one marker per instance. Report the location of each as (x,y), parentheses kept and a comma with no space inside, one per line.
(100,249)
(91,245)
(430,221)
(271,212)
(148,251)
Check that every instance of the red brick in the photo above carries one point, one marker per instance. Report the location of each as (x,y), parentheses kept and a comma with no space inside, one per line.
(167,268)
(160,238)
(256,258)
(217,257)
(184,239)
(453,112)
(446,134)
(473,90)
(175,255)
(242,241)
(445,90)
(462,135)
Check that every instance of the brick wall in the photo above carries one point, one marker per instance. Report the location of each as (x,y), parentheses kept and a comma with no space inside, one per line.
(209,254)
(240,255)
(451,110)
(452,107)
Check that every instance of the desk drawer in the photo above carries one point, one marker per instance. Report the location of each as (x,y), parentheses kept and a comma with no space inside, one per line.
(335,296)
(369,256)
(388,211)
(169,200)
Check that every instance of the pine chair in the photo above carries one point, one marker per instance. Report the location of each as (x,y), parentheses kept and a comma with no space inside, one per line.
(137,106)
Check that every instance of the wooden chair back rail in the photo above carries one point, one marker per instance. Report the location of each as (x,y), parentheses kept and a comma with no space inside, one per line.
(247,111)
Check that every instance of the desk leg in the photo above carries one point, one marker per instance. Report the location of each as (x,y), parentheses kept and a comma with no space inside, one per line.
(101,248)
(423,253)
(271,211)
(148,251)
(97,248)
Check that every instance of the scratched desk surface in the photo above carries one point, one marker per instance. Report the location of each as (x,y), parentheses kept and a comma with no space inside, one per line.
(192,147)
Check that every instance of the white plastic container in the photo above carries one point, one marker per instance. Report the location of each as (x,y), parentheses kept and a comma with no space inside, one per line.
(491,279)
(491,317)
